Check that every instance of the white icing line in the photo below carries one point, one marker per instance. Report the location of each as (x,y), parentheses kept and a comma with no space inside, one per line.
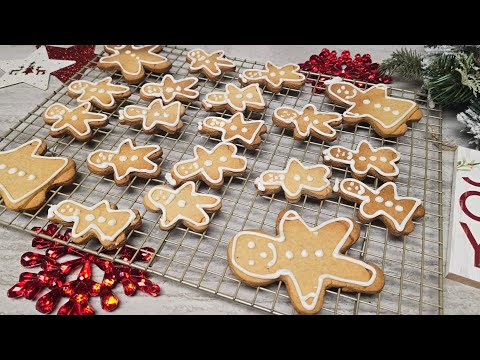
(274,253)
(170,179)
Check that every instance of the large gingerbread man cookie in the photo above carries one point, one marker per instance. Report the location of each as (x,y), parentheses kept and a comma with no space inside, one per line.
(309,260)
(213,65)
(387,115)
(396,212)
(235,99)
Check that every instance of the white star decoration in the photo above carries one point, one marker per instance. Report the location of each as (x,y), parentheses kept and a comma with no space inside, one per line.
(34,70)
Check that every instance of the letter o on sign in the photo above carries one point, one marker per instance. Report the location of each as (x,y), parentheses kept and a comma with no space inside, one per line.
(463,204)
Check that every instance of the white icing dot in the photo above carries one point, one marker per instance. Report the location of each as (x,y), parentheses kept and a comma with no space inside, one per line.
(347,92)
(223,159)
(12,170)
(144,112)
(156,113)
(388,203)
(62,210)
(282,176)
(90,217)
(165,115)
(112,222)
(306,118)
(178,89)
(309,178)
(70,210)
(273,74)
(207,61)
(238,96)
(316,122)
(289,255)
(366,101)
(101,91)
(387,108)
(379,199)
(399,208)
(21,173)
(339,91)
(319,253)
(373,158)
(74,118)
(249,96)
(94,89)
(123,158)
(263,255)
(181,203)
(244,130)
(76,212)
(128,52)
(378,106)
(2,166)
(251,262)
(62,112)
(251,245)
(362,158)
(342,87)
(134,158)
(304,253)
(395,112)
(352,183)
(282,72)
(101,219)
(208,163)
(383,159)
(169,89)
(297,177)
(233,127)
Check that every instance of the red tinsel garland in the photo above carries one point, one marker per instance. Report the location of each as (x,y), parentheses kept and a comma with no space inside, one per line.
(53,276)
(359,68)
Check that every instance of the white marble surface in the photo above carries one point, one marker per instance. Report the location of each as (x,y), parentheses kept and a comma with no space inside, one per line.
(16,101)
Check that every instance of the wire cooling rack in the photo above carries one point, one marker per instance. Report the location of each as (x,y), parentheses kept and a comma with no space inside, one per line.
(413,264)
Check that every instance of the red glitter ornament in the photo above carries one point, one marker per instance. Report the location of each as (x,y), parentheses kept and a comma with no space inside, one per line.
(82,54)
(327,62)
(53,276)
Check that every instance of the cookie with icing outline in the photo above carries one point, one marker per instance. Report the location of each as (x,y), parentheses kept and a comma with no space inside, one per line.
(156,116)
(170,90)
(296,180)
(132,60)
(209,166)
(309,260)
(212,65)
(184,205)
(103,93)
(235,99)
(396,212)
(387,115)
(235,129)
(365,159)
(308,122)
(126,162)
(77,122)
(102,221)
(274,77)
(26,176)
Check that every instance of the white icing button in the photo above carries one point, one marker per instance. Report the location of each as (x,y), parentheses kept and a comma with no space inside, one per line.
(76,212)
(94,89)
(399,208)
(208,163)
(251,245)
(263,255)
(90,217)
(251,262)
(273,74)
(378,106)
(181,203)
(101,219)
(21,173)
(156,113)
(74,117)
(342,87)
(379,199)
(249,96)
(62,112)
(233,127)
(112,222)
(304,253)
(123,158)
(2,166)
(383,159)
(388,203)
(12,170)
(366,101)
(297,178)
(362,158)
(339,91)
(62,210)
(165,115)
(223,159)
(282,72)
(315,122)
(128,52)
(244,130)
(319,253)
(134,158)
(101,91)
(238,96)
(395,112)
(144,112)
(347,92)
(387,108)
(207,61)
(289,255)
(169,89)
(306,118)
(178,89)
(309,178)
(373,158)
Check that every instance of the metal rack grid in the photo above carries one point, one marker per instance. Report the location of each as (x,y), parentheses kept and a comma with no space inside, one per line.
(413,264)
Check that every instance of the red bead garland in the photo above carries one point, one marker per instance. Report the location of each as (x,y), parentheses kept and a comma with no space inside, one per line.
(53,276)
(359,68)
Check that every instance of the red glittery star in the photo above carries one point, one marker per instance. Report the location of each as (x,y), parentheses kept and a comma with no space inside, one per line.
(82,54)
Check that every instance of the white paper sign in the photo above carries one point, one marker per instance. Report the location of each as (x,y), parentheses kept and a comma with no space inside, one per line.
(463,258)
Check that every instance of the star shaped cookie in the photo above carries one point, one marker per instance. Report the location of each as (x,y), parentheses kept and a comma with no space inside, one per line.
(77,122)
(154,117)
(170,89)
(183,205)
(295,180)
(309,260)
(235,99)
(248,133)
(213,65)
(308,122)
(126,162)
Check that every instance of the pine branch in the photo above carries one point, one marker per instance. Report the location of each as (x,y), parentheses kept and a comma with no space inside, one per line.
(404,63)
(471,119)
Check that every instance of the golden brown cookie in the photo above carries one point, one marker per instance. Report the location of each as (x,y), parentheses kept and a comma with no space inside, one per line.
(77,122)
(235,129)
(308,122)
(213,65)
(103,93)
(170,90)
(387,115)
(184,205)
(154,117)
(396,212)
(101,221)
(274,77)
(132,60)
(308,260)
(26,175)
(126,162)
(235,99)
(365,159)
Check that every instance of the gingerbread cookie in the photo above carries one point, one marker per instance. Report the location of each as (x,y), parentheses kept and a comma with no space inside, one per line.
(170,89)
(77,122)
(102,93)
(296,180)
(235,99)
(154,117)
(309,260)
(274,77)
(248,133)
(101,221)
(210,166)
(365,159)
(184,205)
(387,115)
(26,175)
(126,162)
(132,60)
(213,65)
(397,213)
(308,122)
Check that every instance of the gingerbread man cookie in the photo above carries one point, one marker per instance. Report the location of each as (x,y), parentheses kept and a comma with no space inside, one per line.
(296,180)
(274,77)
(184,205)
(387,115)
(210,166)
(365,159)
(126,162)
(26,175)
(77,122)
(309,260)
(235,99)
(132,60)
(397,213)
(101,221)
(170,89)
(248,133)
(154,117)
(308,122)
(213,65)
(103,93)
